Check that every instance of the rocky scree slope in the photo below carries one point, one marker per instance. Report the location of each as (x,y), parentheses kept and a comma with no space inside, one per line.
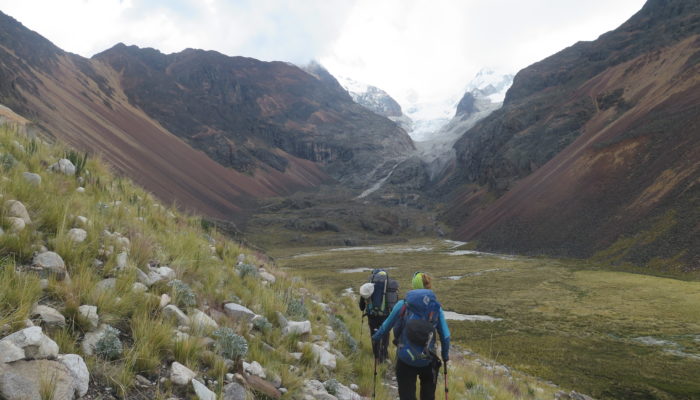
(105,293)
(595,151)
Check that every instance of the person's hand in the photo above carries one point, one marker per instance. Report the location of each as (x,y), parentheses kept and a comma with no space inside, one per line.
(445,356)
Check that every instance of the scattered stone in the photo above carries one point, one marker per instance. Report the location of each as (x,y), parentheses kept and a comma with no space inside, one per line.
(90,313)
(181,375)
(234,391)
(342,392)
(297,327)
(32,178)
(139,287)
(18,210)
(64,166)
(268,277)
(122,259)
(172,311)
(23,380)
(201,320)
(202,392)
(50,317)
(254,368)
(9,352)
(316,390)
(260,385)
(91,338)
(77,235)
(33,342)
(296,355)
(324,357)
(79,371)
(82,221)
(80,189)
(51,262)
(238,312)
(16,224)
(330,333)
(143,382)
(106,284)
(164,299)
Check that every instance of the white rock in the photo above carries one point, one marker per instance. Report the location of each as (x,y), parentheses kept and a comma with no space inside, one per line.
(254,368)
(268,277)
(123,242)
(52,262)
(181,375)
(2,232)
(164,300)
(122,259)
(166,272)
(17,145)
(80,189)
(203,393)
(297,327)
(238,312)
(296,355)
(90,313)
(16,224)
(34,343)
(201,320)
(180,336)
(172,311)
(9,352)
(106,284)
(139,287)
(330,333)
(343,392)
(18,210)
(82,221)
(234,391)
(49,316)
(32,178)
(23,380)
(64,166)
(77,235)
(79,371)
(324,357)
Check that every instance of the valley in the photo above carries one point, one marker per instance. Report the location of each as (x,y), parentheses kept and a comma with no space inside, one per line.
(606,331)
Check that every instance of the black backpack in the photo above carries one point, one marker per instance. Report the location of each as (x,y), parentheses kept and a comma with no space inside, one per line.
(385,294)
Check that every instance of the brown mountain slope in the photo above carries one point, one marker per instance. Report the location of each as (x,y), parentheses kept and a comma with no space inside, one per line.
(265,129)
(596,150)
(241,111)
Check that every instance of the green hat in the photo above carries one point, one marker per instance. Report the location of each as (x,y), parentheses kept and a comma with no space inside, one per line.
(417,281)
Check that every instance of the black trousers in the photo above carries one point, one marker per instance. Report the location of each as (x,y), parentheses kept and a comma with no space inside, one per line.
(406,378)
(380,348)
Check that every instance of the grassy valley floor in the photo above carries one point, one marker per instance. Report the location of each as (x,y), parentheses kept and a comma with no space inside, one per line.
(609,333)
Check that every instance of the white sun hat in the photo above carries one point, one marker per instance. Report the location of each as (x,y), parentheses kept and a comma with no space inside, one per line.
(366,290)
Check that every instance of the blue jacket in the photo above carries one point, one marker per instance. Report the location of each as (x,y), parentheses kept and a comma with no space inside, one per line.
(393,318)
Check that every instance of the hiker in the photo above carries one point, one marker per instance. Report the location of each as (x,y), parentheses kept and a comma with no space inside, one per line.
(415,320)
(377,299)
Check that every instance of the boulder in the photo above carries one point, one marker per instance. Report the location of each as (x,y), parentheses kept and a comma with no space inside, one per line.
(238,312)
(234,391)
(297,327)
(77,235)
(106,284)
(32,178)
(50,317)
(52,263)
(80,189)
(172,311)
(164,300)
(23,380)
(122,259)
(64,166)
(324,357)
(91,338)
(316,390)
(16,224)
(343,392)
(33,342)
(202,391)
(181,375)
(266,276)
(9,352)
(254,368)
(201,320)
(79,371)
(18,210)
(139,287)
(90,313)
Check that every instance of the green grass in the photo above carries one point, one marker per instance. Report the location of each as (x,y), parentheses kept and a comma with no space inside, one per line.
(571,322)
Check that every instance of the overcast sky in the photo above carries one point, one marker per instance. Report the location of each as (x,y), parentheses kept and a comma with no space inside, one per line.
(428,47)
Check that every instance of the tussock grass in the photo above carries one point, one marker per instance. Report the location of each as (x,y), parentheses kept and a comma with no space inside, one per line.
(18,293)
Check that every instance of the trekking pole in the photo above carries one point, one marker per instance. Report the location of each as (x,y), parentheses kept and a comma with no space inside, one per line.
(374,386)
(447,390)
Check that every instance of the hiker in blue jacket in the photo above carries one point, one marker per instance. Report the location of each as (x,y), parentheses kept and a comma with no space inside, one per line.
(415,320)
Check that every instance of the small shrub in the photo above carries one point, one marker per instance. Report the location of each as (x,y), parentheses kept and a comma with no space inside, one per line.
(230,344)
(332,386)
(297,309)
(7,161)
(182,294)
(262,324)
(246,269)
(109,346)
